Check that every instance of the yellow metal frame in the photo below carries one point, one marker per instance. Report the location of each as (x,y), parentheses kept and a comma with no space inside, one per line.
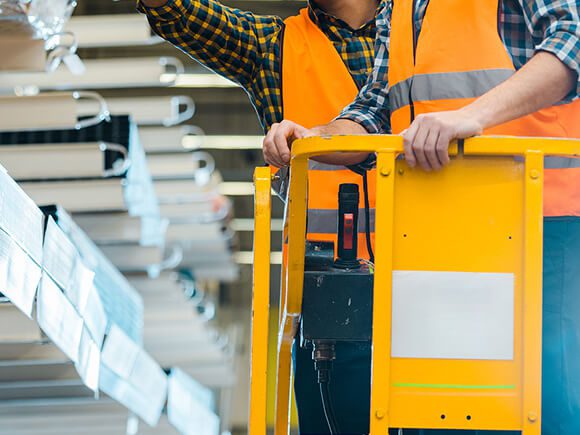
(390,398)
(261,300)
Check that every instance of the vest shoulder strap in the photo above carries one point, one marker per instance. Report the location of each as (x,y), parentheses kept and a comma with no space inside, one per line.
(316,83)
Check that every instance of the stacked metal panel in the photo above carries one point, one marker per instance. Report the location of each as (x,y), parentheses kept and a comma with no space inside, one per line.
(75,335)
(80,349)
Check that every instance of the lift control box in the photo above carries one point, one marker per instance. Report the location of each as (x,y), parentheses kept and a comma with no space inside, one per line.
(338,293)
(337,305)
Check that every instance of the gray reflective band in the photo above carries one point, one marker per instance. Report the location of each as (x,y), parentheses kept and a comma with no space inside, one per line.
(324,221)
(561,163)
(317,166)
(445,86)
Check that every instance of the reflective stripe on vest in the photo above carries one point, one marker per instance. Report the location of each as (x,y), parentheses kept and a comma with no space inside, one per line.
(442,71)
(424,87)
(318,166)
(325,221)
(561,163)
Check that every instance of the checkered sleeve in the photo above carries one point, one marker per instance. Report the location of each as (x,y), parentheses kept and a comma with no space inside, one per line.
(227,40)
(370,108)
(555,25)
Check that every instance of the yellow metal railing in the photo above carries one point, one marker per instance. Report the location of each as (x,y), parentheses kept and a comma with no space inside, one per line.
(261,301)
(513,182)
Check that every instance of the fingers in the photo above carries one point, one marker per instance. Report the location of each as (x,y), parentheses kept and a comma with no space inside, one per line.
(269,148)
(419,148)
(282,143)
(431,150)
(408,139)
(426,142)
(301,132)
(276,145)
(442,147)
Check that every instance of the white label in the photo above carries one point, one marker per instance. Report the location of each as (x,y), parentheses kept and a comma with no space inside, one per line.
(58,318)
(185,411)
(453,315)
(89,361)
(19,274)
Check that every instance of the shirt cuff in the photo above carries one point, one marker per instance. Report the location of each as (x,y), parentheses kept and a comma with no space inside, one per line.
(366,165)
(365,120)
(566,47)
(171,11)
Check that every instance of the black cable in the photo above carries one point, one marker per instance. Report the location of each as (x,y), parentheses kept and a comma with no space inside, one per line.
(368,218)
(323,354)
(328,408)
(331,410)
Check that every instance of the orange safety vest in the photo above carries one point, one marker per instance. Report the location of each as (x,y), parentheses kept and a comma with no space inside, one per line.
(316,86)
(459,56)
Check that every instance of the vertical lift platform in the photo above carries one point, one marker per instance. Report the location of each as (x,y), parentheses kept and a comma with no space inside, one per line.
(457,299)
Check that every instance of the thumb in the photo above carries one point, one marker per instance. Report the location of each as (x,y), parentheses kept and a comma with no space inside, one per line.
(301,132)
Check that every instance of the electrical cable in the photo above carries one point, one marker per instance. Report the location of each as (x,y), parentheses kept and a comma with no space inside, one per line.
(328,408)
(368,217)
(323,354)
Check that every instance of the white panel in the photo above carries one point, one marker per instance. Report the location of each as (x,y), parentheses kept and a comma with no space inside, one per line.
(48,161)
(222,142)
(21,52)
(89,361)
(112,30)
(58,318)
(100,74)
(20,218)
(94,316)
(132,377)
(19,274)
(40,111)
(453,315)
(188,406)
(165,110)
(156,139)
(79,195)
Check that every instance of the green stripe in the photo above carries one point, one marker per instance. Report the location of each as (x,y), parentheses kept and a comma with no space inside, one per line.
(455,386)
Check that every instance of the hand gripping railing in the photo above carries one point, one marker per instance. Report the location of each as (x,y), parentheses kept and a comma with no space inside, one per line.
(387,148)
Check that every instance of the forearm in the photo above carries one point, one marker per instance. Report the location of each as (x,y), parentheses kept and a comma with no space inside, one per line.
(340,127)
(229,41)
(542,82)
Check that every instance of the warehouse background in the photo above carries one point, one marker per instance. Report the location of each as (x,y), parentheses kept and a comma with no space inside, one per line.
(40,392)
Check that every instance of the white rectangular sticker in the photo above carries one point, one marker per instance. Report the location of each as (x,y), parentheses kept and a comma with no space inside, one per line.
(453,315)
(58,318)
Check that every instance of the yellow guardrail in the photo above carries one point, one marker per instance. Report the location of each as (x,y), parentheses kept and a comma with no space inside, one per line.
(512,190)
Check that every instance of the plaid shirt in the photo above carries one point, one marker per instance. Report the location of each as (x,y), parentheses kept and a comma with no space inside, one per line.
(246,48)
(527,26)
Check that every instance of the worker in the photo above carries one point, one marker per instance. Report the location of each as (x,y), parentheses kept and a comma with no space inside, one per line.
(452,69)
(306,68)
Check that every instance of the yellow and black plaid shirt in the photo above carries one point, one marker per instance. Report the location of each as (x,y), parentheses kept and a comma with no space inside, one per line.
(246,48)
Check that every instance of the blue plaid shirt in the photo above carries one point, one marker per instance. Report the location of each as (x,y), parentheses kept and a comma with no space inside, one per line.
(527,26)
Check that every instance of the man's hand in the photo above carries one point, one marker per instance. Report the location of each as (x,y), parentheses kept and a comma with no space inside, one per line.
(427,139)
(277,143)
(542,82)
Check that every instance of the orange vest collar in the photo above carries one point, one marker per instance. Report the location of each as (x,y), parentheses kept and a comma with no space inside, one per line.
(316,84)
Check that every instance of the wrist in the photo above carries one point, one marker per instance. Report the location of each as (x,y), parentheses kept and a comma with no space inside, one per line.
(338,127)
(478,115)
